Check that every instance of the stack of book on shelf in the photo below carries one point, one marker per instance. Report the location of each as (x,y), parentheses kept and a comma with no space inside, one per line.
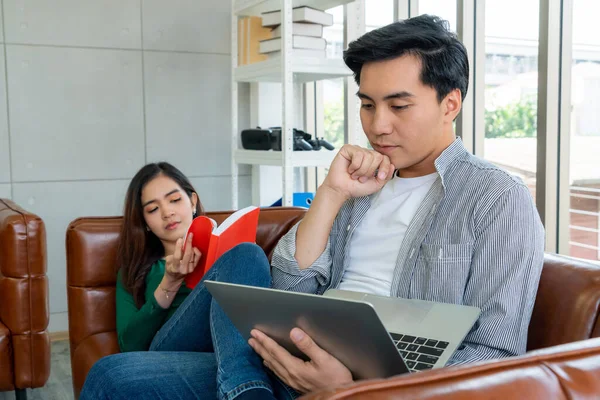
(260,38)
(307,32)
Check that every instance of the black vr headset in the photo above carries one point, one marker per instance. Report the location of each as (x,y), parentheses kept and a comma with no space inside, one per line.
(270,139)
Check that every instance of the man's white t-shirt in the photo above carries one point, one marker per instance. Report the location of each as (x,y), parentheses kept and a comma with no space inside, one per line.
(376,241)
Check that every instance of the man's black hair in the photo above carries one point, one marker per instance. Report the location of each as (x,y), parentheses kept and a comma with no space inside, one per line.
(444,62)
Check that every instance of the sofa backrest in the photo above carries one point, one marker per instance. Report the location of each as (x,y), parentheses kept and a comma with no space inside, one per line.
(567,306)
(566,309)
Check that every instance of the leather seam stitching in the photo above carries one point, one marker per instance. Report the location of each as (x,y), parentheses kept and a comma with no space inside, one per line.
(31,351)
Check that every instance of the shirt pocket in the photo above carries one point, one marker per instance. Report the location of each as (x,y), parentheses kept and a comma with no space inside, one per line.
(441,272)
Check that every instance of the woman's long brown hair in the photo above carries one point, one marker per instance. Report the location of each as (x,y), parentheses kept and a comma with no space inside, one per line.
(139,248)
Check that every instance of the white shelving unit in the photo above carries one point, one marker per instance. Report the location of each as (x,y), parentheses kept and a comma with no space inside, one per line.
(321,158)
(289,72)
(257,7)
(303,70)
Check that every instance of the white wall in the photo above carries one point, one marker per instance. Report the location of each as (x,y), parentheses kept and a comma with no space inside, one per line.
(92,90)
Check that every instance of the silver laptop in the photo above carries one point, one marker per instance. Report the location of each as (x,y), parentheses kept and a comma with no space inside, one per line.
(373,336)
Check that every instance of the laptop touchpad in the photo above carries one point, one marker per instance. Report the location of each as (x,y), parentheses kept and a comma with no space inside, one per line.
(397,313)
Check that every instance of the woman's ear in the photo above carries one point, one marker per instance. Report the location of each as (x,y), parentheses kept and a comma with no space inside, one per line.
(194,199)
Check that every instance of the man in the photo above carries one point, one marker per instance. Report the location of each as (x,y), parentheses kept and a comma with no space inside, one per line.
(416,217)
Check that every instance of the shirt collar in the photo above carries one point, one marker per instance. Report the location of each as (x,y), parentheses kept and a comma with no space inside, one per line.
(452,153)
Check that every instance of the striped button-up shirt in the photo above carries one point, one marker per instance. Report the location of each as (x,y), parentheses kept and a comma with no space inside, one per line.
(476,240)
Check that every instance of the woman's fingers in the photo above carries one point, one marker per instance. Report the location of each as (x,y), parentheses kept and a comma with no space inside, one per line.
(188,253)
(195,259)
(169,264)
(177,252)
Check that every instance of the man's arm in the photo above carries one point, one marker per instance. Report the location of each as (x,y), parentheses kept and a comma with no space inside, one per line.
(301,260)
(505,271)
(354,172)
(314,229)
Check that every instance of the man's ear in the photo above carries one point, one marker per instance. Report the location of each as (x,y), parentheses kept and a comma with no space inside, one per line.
(452,105)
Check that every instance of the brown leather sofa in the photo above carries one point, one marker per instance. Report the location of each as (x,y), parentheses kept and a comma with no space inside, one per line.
(91,279)
(24,314)
(566,309)
(563,365)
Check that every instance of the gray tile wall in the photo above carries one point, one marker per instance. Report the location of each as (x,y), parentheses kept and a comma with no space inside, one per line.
(90,91)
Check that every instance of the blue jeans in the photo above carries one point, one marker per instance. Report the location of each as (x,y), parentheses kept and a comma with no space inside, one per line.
(198,353)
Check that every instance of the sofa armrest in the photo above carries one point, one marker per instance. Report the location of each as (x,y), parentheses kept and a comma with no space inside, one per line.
(560,372)
(90,350)
(91,276)
(24,306)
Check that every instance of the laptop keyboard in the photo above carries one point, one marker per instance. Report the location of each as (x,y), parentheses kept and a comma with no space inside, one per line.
(419,353)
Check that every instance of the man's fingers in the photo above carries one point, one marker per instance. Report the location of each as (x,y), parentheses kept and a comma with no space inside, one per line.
(383,171)
(274,349)
(376,163)
(356,161)
(308,346)
(278,360)
(271,362)
(369,158)
(391,171)
(277,370)
(261,345)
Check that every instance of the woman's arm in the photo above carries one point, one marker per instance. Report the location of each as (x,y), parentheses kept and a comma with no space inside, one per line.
(136,327)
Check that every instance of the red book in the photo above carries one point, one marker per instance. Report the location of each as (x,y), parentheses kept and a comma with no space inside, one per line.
(213,241)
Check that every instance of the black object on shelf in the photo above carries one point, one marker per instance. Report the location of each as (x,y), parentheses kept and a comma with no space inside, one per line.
(260,139)
(318,143)
(270,139)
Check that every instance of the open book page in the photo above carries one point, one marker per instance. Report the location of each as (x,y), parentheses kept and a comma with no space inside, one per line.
(232,219)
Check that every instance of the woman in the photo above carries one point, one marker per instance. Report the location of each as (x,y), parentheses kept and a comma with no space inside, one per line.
(187,333)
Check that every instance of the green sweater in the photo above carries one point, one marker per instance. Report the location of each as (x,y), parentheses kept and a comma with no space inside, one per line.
(136,327)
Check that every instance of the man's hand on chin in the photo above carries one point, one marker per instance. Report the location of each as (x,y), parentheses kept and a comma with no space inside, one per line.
(358,172)
(323,370)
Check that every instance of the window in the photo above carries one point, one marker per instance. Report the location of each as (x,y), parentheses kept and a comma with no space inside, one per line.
(511,86)
(378,13)
(445,9)
(584,164)
(333,89)
(329,98)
